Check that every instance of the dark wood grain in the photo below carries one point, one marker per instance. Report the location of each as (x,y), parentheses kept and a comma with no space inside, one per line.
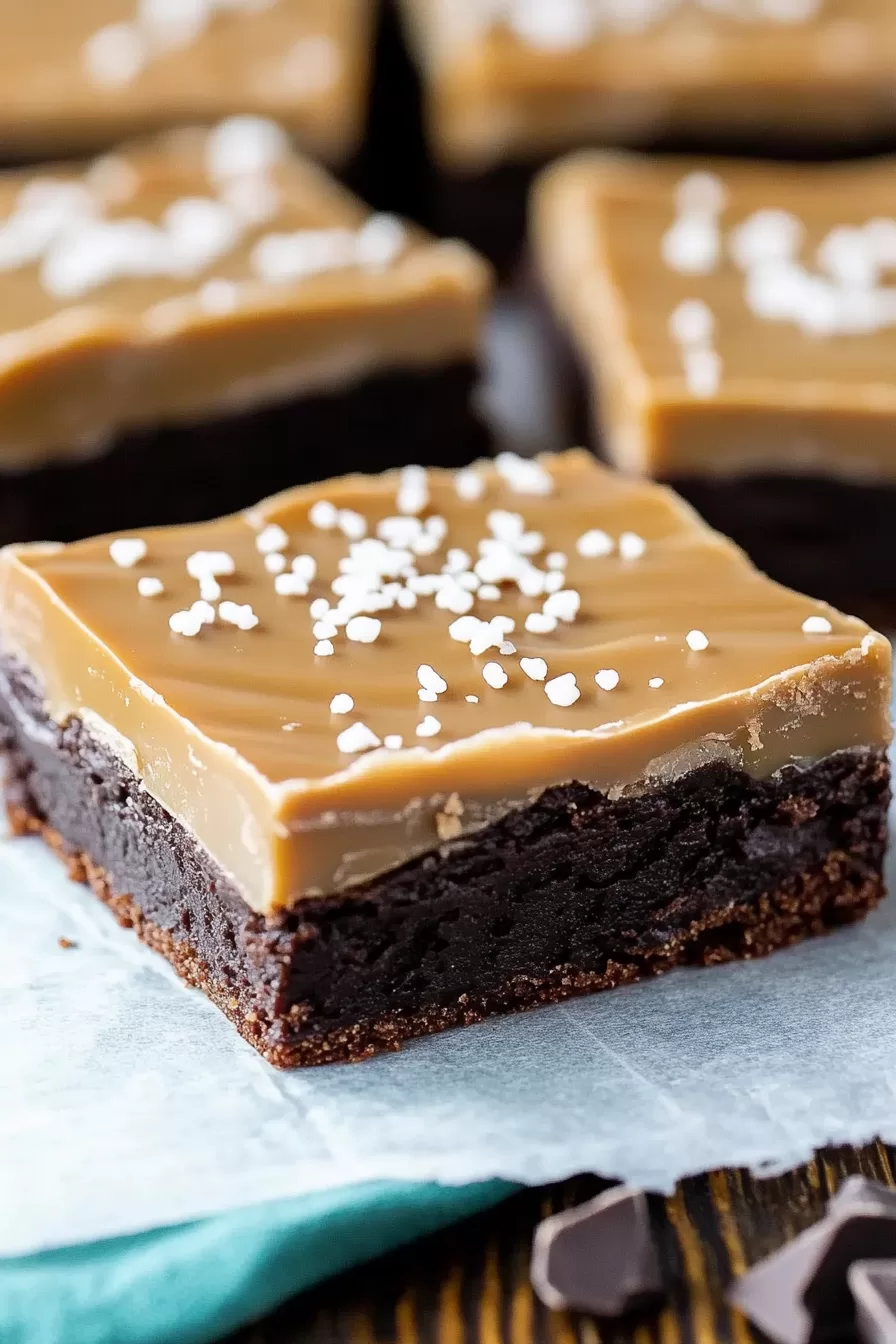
(470,1283)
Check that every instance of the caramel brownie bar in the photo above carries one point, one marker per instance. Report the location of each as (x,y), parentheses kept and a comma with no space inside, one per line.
(388,755)
(206,316)
(507,84)
(736,327)
(83,75)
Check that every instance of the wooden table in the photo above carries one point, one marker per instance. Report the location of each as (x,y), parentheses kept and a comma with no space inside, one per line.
(470,1284)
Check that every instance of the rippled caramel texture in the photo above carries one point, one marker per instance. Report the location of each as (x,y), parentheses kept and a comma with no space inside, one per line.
(239,62)
(145,351)
(492,96)
(232,732)
(788,400)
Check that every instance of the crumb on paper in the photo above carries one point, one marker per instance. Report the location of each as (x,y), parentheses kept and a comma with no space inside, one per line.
(448,820)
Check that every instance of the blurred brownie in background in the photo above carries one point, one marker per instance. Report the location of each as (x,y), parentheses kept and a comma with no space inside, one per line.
(509,83)
(81,76)
(204,316)
(736,328)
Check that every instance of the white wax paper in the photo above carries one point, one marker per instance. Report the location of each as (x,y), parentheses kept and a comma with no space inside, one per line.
(129,1102)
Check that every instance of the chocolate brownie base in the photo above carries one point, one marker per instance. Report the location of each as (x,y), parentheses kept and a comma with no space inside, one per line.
(191,472)
(574,893)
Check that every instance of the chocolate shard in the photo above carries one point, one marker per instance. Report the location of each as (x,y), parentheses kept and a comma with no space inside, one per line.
(771,1293)
(859,1191)
(873,1286)
(600,1257)
(864,1235)
(801,1294)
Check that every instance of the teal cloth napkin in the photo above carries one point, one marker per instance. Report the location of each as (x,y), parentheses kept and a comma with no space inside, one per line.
(194,1283)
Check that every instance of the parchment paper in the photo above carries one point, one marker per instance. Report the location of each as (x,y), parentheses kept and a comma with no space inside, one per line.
(128,1102)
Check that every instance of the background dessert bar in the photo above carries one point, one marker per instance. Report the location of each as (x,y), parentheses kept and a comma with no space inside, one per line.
(508,85)
(735,326)
(204,316)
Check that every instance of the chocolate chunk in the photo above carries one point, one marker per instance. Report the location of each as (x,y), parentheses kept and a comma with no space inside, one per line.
(858,1192)
(862,1236)
(873,1286)
(600,1257)
(771,1293)
(801,1293)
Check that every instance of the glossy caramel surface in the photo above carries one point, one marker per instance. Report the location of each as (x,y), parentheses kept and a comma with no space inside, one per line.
(238,730)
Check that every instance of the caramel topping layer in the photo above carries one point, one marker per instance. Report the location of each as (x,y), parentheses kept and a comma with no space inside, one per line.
(355,672)
(82,74)
(202,270)
(519,78)
(756,300)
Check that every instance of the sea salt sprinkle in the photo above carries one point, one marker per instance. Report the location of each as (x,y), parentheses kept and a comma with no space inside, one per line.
(469,485)
(413,490)
(429,727)
(536,669)
(607,678)
(564,25)
(494,675)
(655,683)
(594,543)
(210,564)
(323,515)
(239,614)
(845,295)
(357,738)
(563,606)
(271,538)
(631,546)
(524,476)
(430,680)
(189,623)
(817,625)
(696,640)
(363,629)
(324,648)
(562,691)
(342,704)
(150,587)
(538,623)
(209,588)
(126,552)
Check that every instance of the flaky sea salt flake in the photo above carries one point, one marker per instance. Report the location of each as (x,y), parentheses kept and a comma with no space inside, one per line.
(125,552)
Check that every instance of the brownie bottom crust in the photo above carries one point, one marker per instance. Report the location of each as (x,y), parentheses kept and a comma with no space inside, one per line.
(576,892)
(191,472)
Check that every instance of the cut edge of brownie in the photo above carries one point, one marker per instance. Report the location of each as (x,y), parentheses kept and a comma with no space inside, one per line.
(575,893)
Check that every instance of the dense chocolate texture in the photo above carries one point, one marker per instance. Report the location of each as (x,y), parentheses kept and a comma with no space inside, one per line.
(185,473)
(572,894)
